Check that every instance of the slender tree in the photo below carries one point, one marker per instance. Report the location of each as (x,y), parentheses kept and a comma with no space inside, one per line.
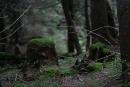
(87,23)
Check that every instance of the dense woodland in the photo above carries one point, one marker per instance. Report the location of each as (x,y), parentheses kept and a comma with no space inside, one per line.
(64,43)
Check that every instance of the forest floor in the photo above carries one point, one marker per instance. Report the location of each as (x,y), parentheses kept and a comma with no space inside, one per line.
(107,77)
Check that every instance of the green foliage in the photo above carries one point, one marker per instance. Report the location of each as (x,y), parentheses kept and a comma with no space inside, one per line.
(52,72)
(114,67)
(105,50)
(101,46)
(125,84)
(68,72)
(37,83)
(49,73)
(43,41)
(96,83)
(4,55)
(97,45)
(95,67)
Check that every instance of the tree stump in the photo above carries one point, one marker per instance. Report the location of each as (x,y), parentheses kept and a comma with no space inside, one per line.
(42,51)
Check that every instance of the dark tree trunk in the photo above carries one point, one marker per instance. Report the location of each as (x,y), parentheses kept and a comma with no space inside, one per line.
(124,28)
(99,19)
(3,34)
(124,31)
(112,33)
(73,41)
(16,29)
(0,84)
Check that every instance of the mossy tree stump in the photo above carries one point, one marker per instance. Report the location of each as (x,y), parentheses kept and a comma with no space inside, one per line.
(42,50)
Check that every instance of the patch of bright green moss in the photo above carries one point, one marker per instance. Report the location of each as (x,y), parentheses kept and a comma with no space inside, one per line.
(105,50)
(95,67)
(45,41)
(97,45)
(101,46)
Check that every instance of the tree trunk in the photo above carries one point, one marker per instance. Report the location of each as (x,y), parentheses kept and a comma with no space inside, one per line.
(87,23)
(124,31)
(99,19)
(3,34)
(73,41)
(14,39)
(112,33)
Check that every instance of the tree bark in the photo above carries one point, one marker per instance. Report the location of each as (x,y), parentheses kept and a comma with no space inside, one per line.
(3,34)
(88,23)
(73,41)
(99,19)
(14,39)
(124,35)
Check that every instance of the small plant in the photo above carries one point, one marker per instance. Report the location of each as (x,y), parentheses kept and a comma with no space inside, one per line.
(101,46)
(97,45)
(98,51)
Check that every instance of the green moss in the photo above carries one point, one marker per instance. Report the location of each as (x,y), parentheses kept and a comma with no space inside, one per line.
(51,72)
(106,50)
(97,45)
(43,41)
(95,67)
(4,55)
(68,72)
(101,46)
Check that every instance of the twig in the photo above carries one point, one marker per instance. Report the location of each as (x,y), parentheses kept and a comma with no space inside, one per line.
(16,76)
(12,33)
(7,28)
